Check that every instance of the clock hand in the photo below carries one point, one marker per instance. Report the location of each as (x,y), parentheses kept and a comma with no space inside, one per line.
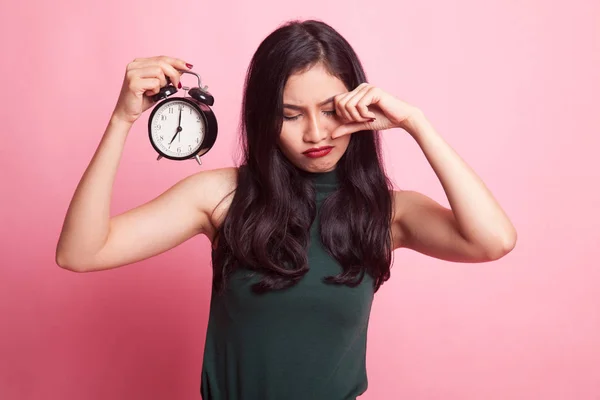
(175,135)
(179,129)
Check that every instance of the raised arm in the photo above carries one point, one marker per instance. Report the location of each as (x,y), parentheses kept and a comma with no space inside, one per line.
(93,240)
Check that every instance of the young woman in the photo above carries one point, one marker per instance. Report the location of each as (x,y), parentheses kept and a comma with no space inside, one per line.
(303,230)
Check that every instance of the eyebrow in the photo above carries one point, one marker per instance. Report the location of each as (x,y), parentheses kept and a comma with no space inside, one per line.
(293,107)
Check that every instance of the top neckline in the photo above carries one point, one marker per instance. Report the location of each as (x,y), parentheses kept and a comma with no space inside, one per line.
(324,179)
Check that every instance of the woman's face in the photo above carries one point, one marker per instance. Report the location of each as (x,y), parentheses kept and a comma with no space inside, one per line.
(309,119)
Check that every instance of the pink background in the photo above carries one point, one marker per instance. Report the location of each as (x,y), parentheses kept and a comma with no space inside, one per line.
(512,86)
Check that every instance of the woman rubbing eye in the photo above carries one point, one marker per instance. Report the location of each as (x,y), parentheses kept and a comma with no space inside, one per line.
(303,230)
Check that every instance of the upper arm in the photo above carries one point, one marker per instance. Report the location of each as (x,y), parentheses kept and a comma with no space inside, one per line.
(424,225)
(173,217)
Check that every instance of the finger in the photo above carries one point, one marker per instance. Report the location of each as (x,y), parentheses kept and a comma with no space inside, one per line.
(151,71)
(177,63)
(363,104)
(170,71)
(148,86)
(340,109)
(341,100)
(361,95)
(172,68)
(347,129)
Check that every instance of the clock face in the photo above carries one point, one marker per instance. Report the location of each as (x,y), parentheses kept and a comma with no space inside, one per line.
(177,129)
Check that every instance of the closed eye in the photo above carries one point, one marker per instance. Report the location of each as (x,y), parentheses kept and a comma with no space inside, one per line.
(329,113)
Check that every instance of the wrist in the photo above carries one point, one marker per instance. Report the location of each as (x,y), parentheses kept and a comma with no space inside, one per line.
(415,122)
(117,121)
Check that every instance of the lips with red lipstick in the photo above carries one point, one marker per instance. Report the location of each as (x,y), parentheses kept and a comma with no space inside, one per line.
(318,151)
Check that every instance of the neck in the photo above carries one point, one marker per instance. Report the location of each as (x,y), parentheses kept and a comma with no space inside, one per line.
(329,178)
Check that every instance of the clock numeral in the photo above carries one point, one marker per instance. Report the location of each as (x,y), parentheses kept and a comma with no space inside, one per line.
(163,117)
(179,149)
(170,110)
(197,140)
(198,120)
(161,138)
(190,147)
(157,127)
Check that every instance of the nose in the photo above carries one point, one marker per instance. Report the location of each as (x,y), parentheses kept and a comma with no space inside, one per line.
(315,130)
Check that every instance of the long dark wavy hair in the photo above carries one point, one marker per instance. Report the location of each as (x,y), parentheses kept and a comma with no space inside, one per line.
(267,227)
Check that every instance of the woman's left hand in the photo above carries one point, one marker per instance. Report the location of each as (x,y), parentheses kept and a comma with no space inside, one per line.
(370,108)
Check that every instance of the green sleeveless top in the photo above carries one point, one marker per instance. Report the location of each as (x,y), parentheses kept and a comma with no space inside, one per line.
(304,342)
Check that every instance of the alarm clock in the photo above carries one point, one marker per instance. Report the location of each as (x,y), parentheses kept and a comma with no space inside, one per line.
(181,128)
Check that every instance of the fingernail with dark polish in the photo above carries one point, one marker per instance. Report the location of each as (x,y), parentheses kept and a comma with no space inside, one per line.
(188,65)
(179,86)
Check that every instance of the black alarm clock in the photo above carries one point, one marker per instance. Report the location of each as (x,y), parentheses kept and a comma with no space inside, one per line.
(185,127)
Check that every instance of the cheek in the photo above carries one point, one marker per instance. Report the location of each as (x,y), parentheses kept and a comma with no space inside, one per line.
(286,141)
(344,142)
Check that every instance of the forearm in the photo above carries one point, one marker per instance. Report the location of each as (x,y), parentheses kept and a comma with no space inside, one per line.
(479,217)
(87,220)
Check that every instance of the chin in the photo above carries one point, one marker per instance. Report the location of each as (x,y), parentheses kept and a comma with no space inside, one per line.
(317,167)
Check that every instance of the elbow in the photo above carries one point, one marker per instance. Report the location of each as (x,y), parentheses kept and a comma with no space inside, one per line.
(64,263)
(60,260)
(60,256)
(505,246)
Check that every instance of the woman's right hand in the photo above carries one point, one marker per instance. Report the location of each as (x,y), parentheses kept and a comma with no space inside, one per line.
(143,79)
